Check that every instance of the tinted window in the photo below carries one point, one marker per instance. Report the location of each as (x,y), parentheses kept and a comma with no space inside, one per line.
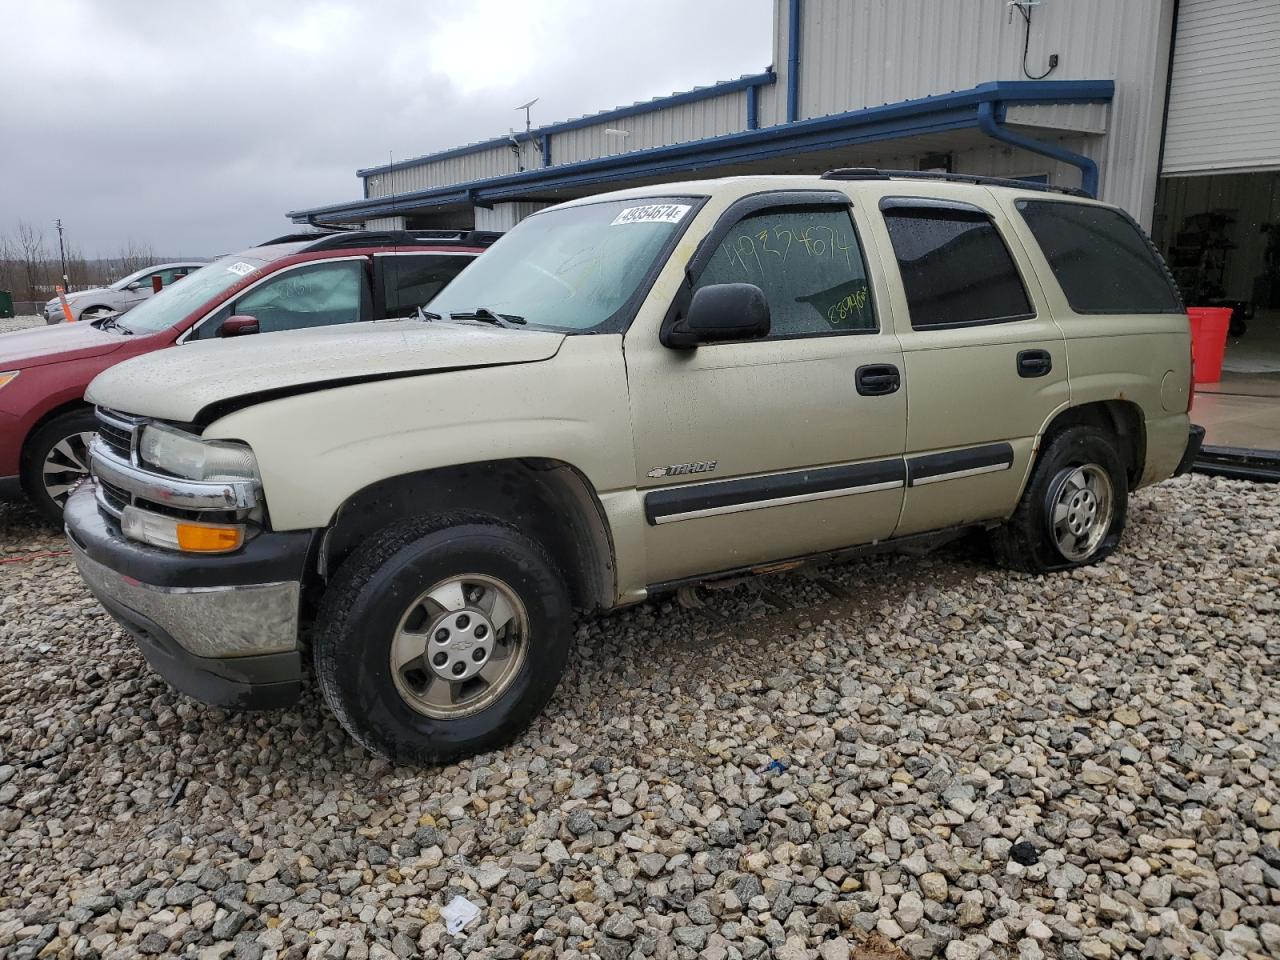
(809,265)
(409,282)
(955,267)
(312,296)
(1101,258)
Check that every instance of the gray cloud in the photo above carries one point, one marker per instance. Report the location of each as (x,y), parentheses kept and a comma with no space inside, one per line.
(194,127)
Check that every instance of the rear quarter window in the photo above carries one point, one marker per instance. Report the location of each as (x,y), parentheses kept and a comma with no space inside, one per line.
(1101,259)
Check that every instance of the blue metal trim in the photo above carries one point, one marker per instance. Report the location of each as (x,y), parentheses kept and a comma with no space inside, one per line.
(793,61)
(620,113)
(753,108)
(988,124)
(949,111)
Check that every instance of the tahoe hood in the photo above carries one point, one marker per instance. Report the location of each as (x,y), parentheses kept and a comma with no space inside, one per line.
(178,384)
(64,341)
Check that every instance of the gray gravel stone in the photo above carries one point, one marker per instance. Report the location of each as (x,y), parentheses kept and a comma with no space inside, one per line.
(903,755)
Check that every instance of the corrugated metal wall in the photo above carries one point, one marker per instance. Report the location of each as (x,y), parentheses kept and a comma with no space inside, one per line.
(385,223)
(691,121)
(504,216)
(862,53)
(1224,101)
(473,166)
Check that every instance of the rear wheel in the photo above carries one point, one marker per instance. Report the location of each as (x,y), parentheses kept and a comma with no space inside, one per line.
(56,459)
(1074,508)
(442,638)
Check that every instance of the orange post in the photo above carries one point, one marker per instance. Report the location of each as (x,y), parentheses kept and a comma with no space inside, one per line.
(66,307)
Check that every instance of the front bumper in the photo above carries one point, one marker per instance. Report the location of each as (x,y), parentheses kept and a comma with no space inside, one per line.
(220,628)
(1195,439)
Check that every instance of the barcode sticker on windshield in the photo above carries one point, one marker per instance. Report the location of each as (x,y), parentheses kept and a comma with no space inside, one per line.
(242,269)
(652,213)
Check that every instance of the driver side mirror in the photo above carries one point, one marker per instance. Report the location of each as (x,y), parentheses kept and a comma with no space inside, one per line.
(719,313)
(238,326)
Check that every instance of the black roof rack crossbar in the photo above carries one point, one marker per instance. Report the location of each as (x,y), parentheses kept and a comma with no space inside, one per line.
(404,238)
(872,173)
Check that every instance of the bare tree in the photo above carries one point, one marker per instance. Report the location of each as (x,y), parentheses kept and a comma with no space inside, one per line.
(34,258)
(133,256)
(8,264)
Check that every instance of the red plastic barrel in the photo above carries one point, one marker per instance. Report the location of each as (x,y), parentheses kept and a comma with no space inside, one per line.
(1209,327)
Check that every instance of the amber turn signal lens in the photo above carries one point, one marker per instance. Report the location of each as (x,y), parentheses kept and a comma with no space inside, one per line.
(201,539)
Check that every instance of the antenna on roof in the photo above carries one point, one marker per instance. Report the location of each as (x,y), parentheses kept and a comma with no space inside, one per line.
(529,126)
(528,117)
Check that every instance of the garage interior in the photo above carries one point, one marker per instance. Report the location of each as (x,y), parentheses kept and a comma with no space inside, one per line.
(1220,235)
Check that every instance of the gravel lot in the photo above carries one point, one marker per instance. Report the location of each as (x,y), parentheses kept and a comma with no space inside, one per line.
(919,756)
(9,324)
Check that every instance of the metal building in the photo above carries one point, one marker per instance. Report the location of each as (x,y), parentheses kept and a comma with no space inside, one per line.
(1169,108)
(1080,92)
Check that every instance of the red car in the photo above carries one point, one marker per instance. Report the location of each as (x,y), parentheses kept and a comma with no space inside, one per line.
(291,282)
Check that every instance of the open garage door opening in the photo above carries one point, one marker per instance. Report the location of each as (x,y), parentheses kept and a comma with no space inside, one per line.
(1221,237)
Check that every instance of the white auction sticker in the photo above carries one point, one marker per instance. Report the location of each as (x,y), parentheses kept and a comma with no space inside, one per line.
(242,269)
(652,213)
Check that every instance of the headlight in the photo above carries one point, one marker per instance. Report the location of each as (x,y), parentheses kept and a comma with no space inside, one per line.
(186,455)
(8,377)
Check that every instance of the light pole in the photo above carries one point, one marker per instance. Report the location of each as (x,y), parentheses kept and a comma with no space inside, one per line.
(62,252)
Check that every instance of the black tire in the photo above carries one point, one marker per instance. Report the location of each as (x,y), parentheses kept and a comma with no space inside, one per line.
(38,448)
(1026,541)
(362,609)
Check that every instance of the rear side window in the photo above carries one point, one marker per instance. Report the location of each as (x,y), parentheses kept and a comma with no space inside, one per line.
(956,269)
(809,265)
(1101,258)
(409,282)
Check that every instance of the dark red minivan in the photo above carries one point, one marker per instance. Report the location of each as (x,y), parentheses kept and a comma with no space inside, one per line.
(304,280)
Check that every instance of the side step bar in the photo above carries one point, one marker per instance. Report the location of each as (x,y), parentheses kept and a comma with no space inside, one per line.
(1239,463)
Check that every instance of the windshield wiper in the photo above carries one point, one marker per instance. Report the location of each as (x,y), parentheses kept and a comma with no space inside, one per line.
(485,315)
(426,315)
(111,323)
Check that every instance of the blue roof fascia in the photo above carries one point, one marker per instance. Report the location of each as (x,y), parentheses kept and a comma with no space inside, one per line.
(619,113)
(948,111)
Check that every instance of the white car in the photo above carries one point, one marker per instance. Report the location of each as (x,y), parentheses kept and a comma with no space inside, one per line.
(122,296)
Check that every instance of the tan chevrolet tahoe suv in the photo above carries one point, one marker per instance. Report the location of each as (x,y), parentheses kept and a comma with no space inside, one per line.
(626,394)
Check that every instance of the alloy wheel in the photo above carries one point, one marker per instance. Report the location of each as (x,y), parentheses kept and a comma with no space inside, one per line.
(65,465)
(1082,505)
(459,646)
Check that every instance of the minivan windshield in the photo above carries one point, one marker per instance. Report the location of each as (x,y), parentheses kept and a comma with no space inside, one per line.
(572,268)
(178,299)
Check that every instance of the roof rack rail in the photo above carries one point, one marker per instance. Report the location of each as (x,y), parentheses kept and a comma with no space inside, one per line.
(872,173)
(403,238)
(297,237)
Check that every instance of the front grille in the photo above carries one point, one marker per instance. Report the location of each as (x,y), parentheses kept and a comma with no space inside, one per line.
(117,431)
(112,497)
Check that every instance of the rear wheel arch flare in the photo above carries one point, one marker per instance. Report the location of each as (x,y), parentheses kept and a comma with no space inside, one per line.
(1121,419)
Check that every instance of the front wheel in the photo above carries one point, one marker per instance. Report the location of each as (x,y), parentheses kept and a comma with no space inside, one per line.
(56,459)
(1073,510)
(442,638)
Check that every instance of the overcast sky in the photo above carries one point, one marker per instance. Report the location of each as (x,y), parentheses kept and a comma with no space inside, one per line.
(193,127)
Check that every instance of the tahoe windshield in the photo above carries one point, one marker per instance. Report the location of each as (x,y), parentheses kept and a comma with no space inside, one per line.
(573,268)
(175,301)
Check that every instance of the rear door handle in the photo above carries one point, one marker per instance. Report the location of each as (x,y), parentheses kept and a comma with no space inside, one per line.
(877,379)
(1034,363)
